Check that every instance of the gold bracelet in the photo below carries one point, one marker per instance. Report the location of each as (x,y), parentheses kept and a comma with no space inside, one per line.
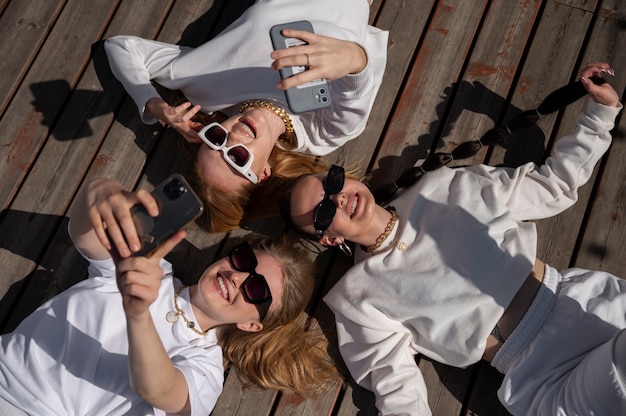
(288,138)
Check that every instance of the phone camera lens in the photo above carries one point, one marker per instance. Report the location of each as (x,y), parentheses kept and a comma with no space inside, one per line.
(324,99)
(322,91)
(174,189)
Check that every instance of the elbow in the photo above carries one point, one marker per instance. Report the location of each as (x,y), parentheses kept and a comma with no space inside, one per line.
(111,43)
(157,400)
(115,43)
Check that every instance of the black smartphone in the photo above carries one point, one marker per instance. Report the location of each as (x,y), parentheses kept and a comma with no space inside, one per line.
(312,95)
(178,205)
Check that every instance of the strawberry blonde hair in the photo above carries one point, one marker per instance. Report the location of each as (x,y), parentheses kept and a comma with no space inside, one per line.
(283,355)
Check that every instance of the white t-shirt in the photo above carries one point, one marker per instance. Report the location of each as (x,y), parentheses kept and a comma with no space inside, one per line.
(236,66)
(69,357)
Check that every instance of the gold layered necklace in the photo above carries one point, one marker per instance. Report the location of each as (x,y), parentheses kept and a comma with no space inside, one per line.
(288,138)
(172,316)
(381,238)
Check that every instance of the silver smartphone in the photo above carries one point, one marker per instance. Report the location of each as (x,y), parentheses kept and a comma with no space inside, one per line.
(312,95)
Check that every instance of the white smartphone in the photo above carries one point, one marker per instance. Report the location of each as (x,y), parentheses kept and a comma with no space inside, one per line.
(312,95)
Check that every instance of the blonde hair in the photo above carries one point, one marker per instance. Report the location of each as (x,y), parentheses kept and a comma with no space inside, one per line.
(225,210)
(283,355)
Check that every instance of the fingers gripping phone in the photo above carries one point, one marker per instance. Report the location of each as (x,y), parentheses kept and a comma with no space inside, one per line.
(309,96)
(178,205)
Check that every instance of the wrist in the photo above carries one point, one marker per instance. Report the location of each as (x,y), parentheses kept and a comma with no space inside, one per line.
(362,60)
(156,106)
(137,318)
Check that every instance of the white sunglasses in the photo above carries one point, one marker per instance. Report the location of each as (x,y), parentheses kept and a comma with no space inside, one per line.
(238,156)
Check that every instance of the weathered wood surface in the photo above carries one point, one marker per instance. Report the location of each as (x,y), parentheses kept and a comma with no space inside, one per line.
(455,69)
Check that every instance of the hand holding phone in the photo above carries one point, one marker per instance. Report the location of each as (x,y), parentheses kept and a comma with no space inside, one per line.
(309,96)
(178,205)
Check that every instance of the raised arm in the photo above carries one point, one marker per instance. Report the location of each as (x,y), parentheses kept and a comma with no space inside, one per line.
(153,375)
(534,192)
(135,62)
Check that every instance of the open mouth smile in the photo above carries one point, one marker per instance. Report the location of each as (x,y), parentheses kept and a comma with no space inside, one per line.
(222,289)
(246,127)
(354,205)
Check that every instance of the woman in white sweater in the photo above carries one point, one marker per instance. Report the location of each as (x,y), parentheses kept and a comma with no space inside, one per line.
(449,271)
(237,74)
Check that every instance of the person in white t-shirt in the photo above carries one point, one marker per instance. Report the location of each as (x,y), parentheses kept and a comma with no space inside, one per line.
(449,270)
(133,339)
(237,73)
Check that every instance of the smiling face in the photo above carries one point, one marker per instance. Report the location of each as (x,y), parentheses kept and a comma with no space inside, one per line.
(256,128)
(219,301)
(355,215)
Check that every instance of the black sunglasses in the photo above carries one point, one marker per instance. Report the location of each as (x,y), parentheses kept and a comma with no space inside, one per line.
(254,289)
(325,211)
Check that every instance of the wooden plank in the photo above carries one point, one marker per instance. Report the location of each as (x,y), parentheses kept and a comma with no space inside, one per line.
(612,9)
(61,165)
(405,22)
(561,26)
(447,386)
(357,401)
(479,102)
(317,405)
(565,28)
(24,26)
(602,243)
(3,5)
(415,119)
(239,401)
(586,5)
(23,132)
(57,68)
(560,233)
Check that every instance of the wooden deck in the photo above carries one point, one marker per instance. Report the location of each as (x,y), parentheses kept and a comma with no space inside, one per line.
(455,68)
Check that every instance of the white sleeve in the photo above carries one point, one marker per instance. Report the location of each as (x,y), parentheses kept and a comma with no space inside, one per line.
(204,372)
(534,192)
(135,62)
(382,362)
(352,99)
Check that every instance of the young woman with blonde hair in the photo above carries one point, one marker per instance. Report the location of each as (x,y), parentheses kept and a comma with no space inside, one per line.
(133,339)
(237,73)
(449,270)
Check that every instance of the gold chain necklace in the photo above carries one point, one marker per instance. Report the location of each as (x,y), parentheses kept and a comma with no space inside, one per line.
(289,136)
(381,238)
(172,316)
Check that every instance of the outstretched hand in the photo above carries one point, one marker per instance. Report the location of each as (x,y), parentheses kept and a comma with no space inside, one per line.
(139,278)
(324,56)
(179,117)
(604,93)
